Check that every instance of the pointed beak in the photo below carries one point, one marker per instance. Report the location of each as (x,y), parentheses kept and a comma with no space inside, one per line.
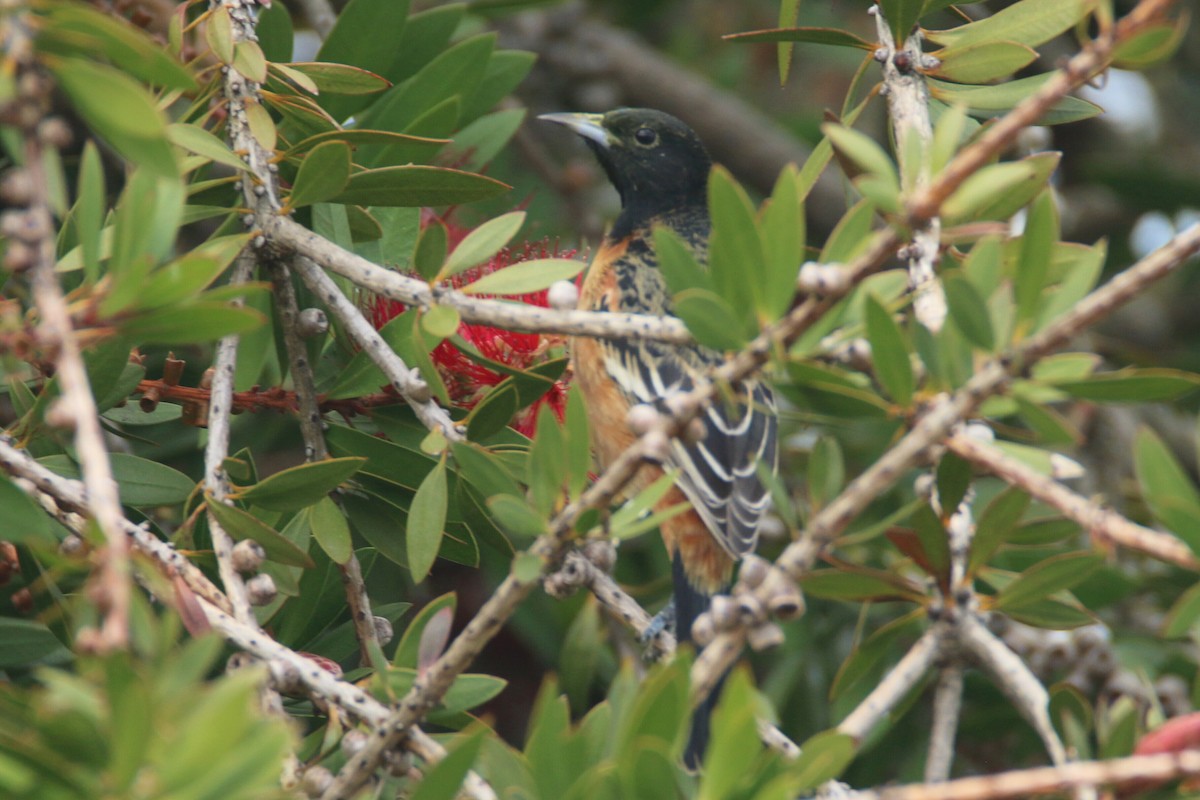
(586,125)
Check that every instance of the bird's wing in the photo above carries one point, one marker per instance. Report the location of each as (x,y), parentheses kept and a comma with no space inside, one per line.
(719,473)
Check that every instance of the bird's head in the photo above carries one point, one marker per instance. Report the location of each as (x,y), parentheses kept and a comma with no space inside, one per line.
(655,161)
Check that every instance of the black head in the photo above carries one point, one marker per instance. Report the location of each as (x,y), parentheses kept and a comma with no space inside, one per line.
(655,161)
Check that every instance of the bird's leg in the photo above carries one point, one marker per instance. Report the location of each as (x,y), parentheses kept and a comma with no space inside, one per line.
(662,621)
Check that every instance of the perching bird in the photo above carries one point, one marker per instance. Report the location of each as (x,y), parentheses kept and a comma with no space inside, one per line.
(660,169)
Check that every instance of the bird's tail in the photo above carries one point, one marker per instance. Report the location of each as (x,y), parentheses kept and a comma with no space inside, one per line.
(690,603)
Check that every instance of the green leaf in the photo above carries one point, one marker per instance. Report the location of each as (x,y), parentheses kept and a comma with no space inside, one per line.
(331,530)
(850,235)
(985,194)
(678,263)
(832,36)
(505,71)
(826,473)
(198,321)
(482,243)
(427,521)
(219,34)
(788,10)
(889,353)
(418,186)
(998,99)
(735,252)
(1152,45)
(241,524)
(863,151)
(187,276)
(996,524)
(248,59)
(1030,22)
(341,78)
(142,483)
(1166,487)
(643,501)
(901,16)
(444,779)
(858,583)
(81,30)
(710,318)
(24,521)
(90,210)
(355,41)
(1037,247)
(1047,577)
(516,516)
(27,642)
(440,322)
(494,412)
(734,742)
(1131,385)
(783,235)
(547,464)
(579,442)
(197,140)
(980,62)
(408,651)
(526,276)
(968,311)
(1183,614)
(1051,614)
(322,176)
(302,485)
(431,249)
(823,757)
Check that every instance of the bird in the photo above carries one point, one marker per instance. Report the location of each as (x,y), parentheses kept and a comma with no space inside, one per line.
(660,169)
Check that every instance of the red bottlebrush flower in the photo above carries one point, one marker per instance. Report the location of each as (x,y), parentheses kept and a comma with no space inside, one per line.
(468,381)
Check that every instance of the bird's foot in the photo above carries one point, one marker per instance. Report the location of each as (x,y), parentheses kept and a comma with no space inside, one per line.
(662,621)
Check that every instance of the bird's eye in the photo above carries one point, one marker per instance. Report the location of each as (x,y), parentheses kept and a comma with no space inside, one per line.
(645,136)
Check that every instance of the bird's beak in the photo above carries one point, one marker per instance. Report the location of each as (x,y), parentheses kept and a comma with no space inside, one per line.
(586,125)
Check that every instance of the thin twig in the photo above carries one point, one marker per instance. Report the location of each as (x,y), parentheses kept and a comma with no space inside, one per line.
(407,382)
(908,108)
(497,313)
(947,703)
(76,408)
(895,686)
(1104,524)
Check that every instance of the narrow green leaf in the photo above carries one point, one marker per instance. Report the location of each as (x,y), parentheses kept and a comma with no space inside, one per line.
(241,524)
(901,16)
(980,191)
(859,584)
(431,250)
(90,210)
(547,464)
(710,318)
(219,34)
(1046,578)
(445,778)
(123,114)
(24,521)
(1037,247)
(195,322)
(579,444)
(330,529)
(735,252)
(643,501)
(526,276)
(142,483)
(788,10)
(1131,385)
(197,140)
(302,485)
(831,36)
(248,59)
(516,516)
(850,235)
(341,78)
(323,174)
(1183,614)
(427,522)
(968,311)
(1166,487)
(996,524)
(889,353)
(1030,22)
(482,243)
(783,235)
(418,186)
(980,62)
(440,322)
(862,150)
(823,757)
(1051,614)
(997,99)
(678,264)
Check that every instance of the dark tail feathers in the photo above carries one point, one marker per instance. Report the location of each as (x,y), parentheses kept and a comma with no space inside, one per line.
(690,603)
